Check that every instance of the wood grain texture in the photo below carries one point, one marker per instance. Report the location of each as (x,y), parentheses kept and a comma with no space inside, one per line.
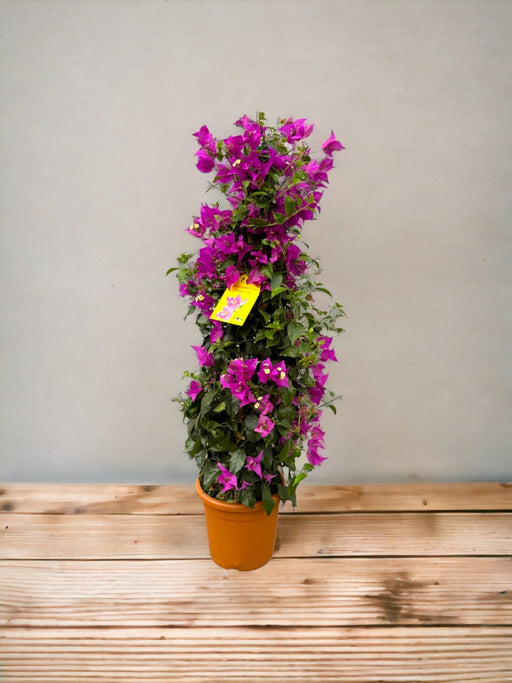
(329,535)
(374,583)
(302,592)
(110,499)
(295,655)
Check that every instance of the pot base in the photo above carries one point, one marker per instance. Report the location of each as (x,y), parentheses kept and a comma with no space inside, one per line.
(239,537)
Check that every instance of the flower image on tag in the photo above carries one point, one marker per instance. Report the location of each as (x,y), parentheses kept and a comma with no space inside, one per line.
(236,303)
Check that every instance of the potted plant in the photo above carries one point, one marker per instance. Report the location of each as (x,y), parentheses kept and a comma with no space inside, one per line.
(253,406)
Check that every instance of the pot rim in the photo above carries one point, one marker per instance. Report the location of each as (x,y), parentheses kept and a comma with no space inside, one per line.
(225,506)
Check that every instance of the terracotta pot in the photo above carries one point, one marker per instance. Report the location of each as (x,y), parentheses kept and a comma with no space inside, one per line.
(239,537)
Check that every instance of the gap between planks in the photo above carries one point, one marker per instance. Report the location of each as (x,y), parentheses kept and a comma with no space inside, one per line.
(181,499)
(184,537)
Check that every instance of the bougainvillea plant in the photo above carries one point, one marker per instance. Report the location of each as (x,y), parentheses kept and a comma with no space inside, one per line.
(253,406)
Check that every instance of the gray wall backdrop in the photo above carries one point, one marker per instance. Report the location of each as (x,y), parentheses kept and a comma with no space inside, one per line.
(98,102)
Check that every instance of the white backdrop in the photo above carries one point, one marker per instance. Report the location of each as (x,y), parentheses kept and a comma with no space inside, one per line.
(98,100)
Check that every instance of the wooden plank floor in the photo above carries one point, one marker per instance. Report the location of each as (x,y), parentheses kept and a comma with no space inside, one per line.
(376,583)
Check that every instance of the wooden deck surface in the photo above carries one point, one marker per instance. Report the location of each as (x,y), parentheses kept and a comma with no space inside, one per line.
(374,583)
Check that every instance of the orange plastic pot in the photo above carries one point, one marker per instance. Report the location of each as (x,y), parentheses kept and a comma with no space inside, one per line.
(239,537)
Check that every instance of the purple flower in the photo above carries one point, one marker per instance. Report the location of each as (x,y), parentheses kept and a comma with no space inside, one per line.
(264,405)
(205,162)
(296,130)
(232,276)
(235,196)
(210,219)
(253,131)
(265,425)
(317,175)
(316,435)
(265,371)
(226,174)
(314,457)
(205,138)
(257,257)
(204,302)
(316,392)
(279,375)
(226,245)
(254,464)
(238,373)
(247,366)
(205,263)
(326,164)
(326,352)
(256,277)
(276,253)
(214,218)
(239,390)
(315,442)
(295,265)
(268,477)
(234,145)
(226,479)
(195,229)
(204,357)
(185,288)
(216,332)
(194,389)
(331,145)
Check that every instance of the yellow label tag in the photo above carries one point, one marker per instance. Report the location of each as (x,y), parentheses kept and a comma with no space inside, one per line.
(235,304)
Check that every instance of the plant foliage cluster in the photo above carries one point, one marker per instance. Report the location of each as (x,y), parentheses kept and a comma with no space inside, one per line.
(253,406)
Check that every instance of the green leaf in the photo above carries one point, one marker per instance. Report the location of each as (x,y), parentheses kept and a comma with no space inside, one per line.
(268,501)
(184,258)
(289,205)
(277,280)
(171,270)
(220,407)
(208,399)
(283,492)
(247,497)
(267,270)
(298,478)
(210,474)
(279,218)
(222,444)
(286,414)
(291,352)
(236,461)
(277,290)
(259,222)
(286,449)
(267,459)
(261,199)
(251,421)
(200,457)
(294,331)
(183,275)
(232,405)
